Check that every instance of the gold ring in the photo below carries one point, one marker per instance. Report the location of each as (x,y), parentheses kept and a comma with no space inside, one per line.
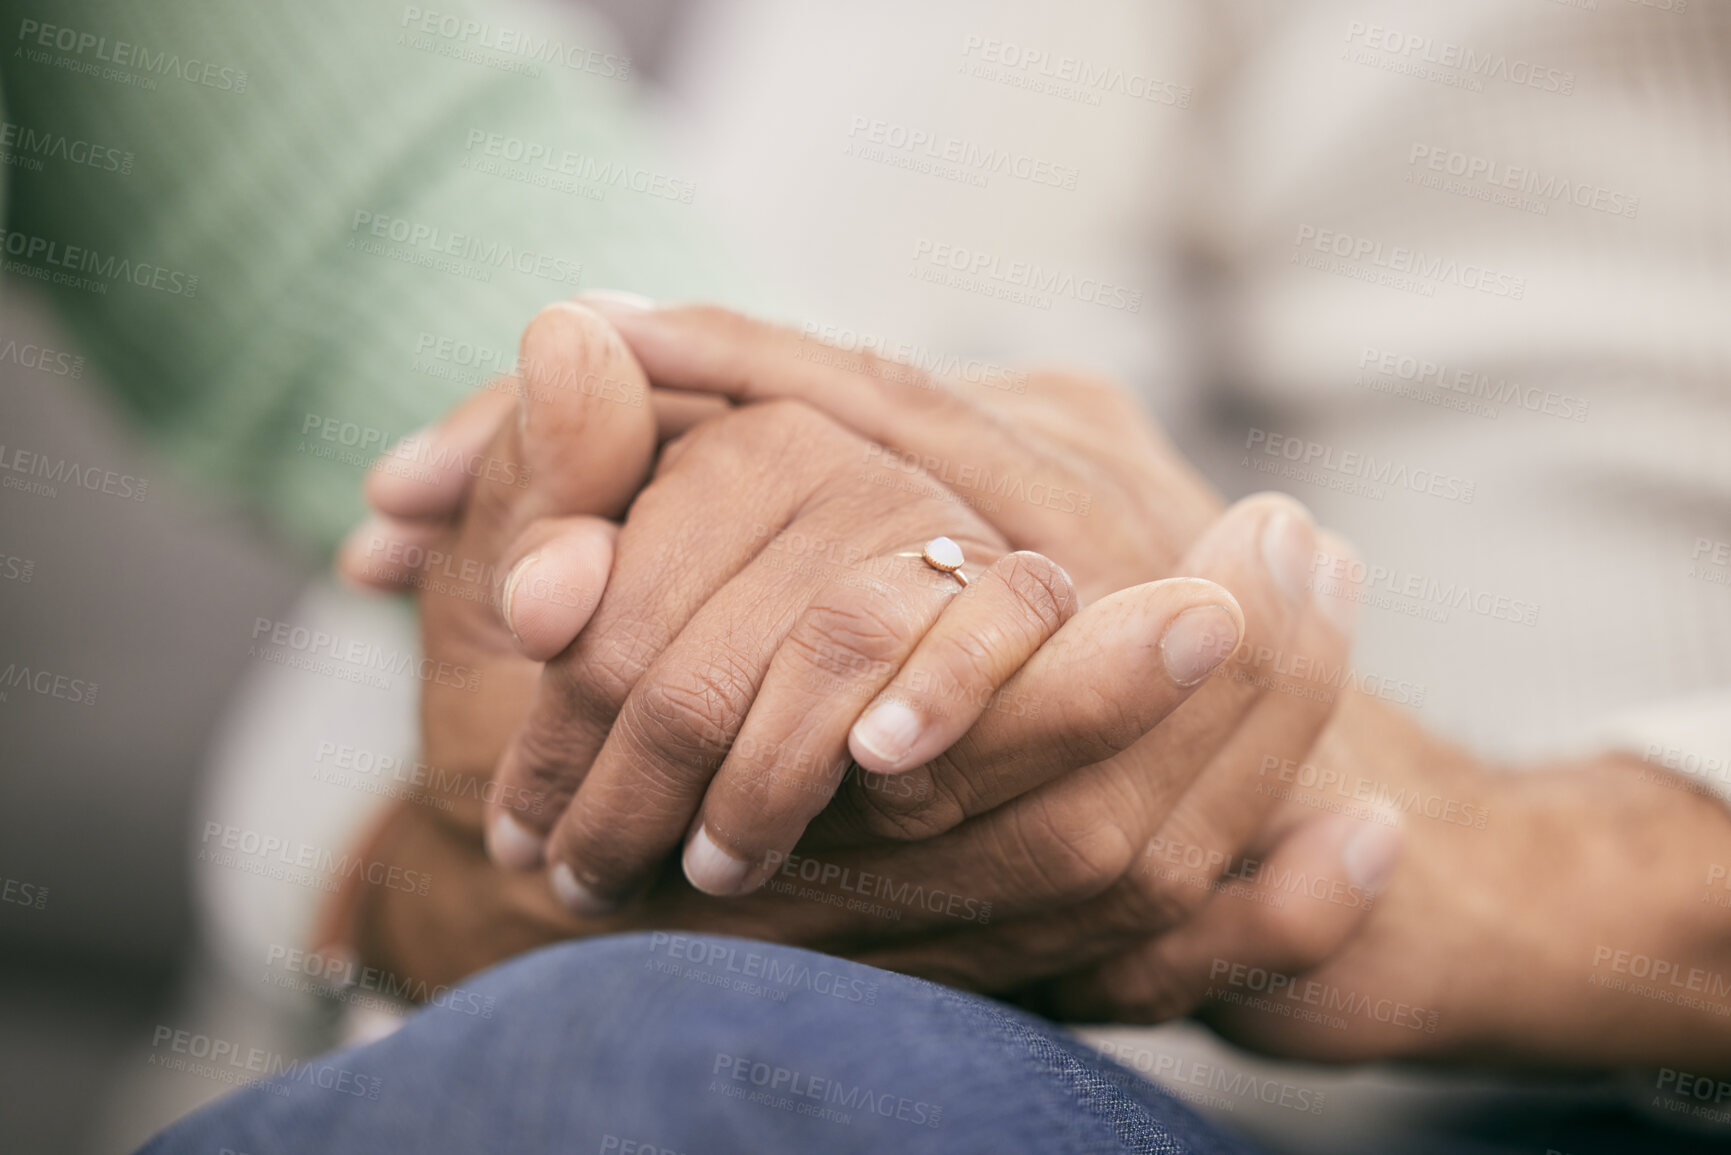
(943,555)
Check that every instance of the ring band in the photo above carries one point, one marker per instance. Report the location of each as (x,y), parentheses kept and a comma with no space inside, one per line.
(943,555)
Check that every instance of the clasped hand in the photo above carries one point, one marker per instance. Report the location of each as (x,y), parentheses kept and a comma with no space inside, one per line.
(704,633)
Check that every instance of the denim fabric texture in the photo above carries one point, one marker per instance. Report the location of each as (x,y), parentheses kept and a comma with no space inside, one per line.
(645,1044)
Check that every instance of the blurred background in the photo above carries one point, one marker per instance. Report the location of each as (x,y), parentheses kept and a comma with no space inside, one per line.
(866,172)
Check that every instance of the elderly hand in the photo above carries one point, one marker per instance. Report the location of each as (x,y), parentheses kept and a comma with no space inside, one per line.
(768,612)
(1080,836)
(1499,937)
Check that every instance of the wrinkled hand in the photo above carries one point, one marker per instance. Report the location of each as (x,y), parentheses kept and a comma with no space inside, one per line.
(1079,838)
(1489,941)
(1070,467)
(762,596)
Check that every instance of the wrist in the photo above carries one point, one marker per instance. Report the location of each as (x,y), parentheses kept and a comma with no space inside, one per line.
(1576,929)
(1632,950)
(1559,915)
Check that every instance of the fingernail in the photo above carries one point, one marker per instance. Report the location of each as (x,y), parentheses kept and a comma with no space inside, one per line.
(1199,640)
(1369,856)
(508,595)
(578,899)
(1286,551)
(711,869)
(513,845)
(888,731)
(608,301)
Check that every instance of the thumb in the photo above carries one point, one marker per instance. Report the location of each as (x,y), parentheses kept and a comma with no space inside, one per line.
(580,441)
(420,486)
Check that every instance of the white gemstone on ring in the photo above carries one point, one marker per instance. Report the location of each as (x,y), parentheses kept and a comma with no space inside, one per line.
(941,553)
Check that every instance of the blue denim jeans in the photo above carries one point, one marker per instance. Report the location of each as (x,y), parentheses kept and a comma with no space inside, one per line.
(657,1043)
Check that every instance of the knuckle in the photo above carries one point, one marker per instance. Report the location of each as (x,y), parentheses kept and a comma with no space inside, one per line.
(547,764)
(706,450)
(849,634)
(688,715)
(968,668)
(1040,587)
(890,815)
(1067,851)
(1152,904)
(598,677)
(1099,723)
(1164,893)
(784,423)
(736,444)
(673,453)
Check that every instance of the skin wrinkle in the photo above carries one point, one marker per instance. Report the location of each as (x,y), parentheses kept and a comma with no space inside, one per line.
(1425,914)
(781,425)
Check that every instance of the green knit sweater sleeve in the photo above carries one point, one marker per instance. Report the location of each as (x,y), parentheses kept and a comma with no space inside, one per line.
(287,233)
